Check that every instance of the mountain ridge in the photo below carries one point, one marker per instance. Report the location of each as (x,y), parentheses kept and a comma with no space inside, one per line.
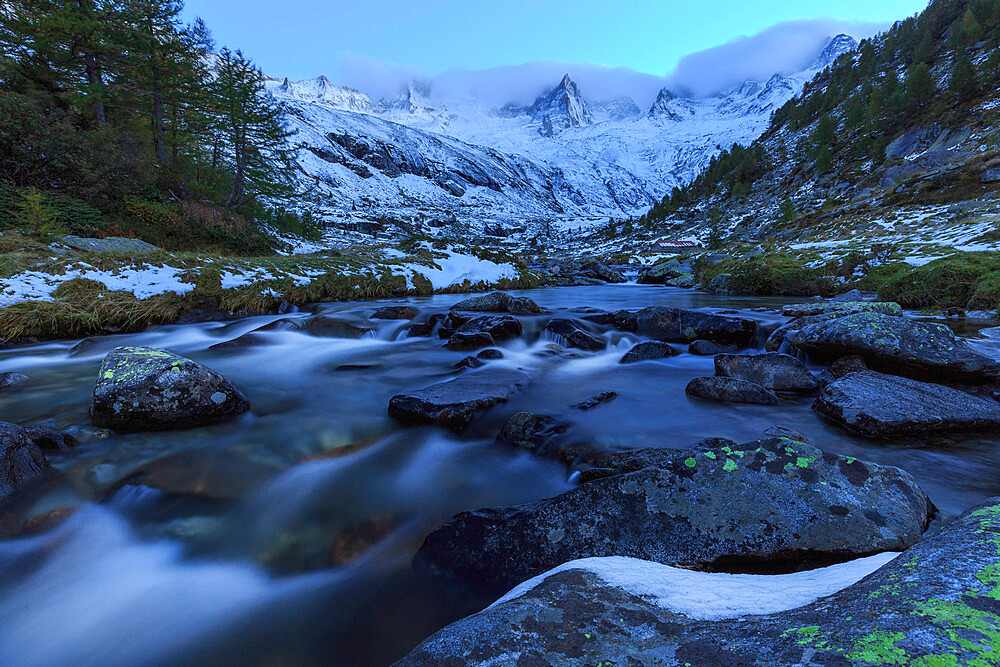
(605,158)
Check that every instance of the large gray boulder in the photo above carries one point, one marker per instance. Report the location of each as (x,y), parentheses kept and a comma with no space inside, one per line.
(936,604)
(731,390)
(878,405)
(676,325)
(768,503)
(455,403)
(147,389)
(21,460)
(498,302)
(779,372)
(898,345)
(600,271)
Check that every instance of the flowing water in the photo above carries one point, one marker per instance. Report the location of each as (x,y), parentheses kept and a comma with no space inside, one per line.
(226,544)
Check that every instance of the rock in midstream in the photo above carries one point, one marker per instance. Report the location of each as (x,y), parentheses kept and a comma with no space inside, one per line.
(761,505)
(454,403)
(146,389)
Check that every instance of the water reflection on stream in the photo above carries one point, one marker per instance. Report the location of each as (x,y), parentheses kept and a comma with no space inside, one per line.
(213,545)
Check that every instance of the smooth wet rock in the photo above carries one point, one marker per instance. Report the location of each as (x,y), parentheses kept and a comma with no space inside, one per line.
(500,327)
(649,350)
(334,327)
(499,302)
(731,390)
(21,460)
(469,341)
(425,329)
(706,348)
(878,405)
(770,504)
(676,325)
(11,380)
(490,354)
(455,403)
(575,336)
(934,604)
(394,313)
(778,372)
(469,362)
(146,389)
(921,350)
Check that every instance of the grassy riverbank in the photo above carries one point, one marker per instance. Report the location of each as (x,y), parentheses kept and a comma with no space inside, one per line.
(48,291)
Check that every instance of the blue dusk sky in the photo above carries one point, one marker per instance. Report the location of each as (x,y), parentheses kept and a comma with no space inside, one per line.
(373,44)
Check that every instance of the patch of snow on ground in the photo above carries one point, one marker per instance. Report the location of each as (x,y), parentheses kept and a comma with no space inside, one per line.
(457,268)
(712,595)
(144,282)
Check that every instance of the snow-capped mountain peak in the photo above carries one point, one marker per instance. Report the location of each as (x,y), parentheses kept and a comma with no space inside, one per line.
(321,90)
(835,47)
(563,105)
(661,106)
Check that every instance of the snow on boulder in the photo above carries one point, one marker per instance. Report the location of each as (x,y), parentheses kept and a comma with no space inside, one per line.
(715,595)
(935,604)
(148,389)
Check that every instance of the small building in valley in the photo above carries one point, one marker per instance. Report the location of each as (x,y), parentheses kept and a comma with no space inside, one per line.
(673,245)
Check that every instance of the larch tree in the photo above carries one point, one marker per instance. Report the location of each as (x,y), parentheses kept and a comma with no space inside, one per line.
(251,126)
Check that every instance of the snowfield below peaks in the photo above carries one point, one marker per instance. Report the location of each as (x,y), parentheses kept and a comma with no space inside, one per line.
(418,157)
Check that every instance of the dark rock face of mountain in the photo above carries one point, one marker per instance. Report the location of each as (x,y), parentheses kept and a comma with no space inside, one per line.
(662,108)
(564,106)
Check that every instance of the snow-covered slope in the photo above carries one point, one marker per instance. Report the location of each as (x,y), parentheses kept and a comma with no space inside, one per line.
(419,156)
